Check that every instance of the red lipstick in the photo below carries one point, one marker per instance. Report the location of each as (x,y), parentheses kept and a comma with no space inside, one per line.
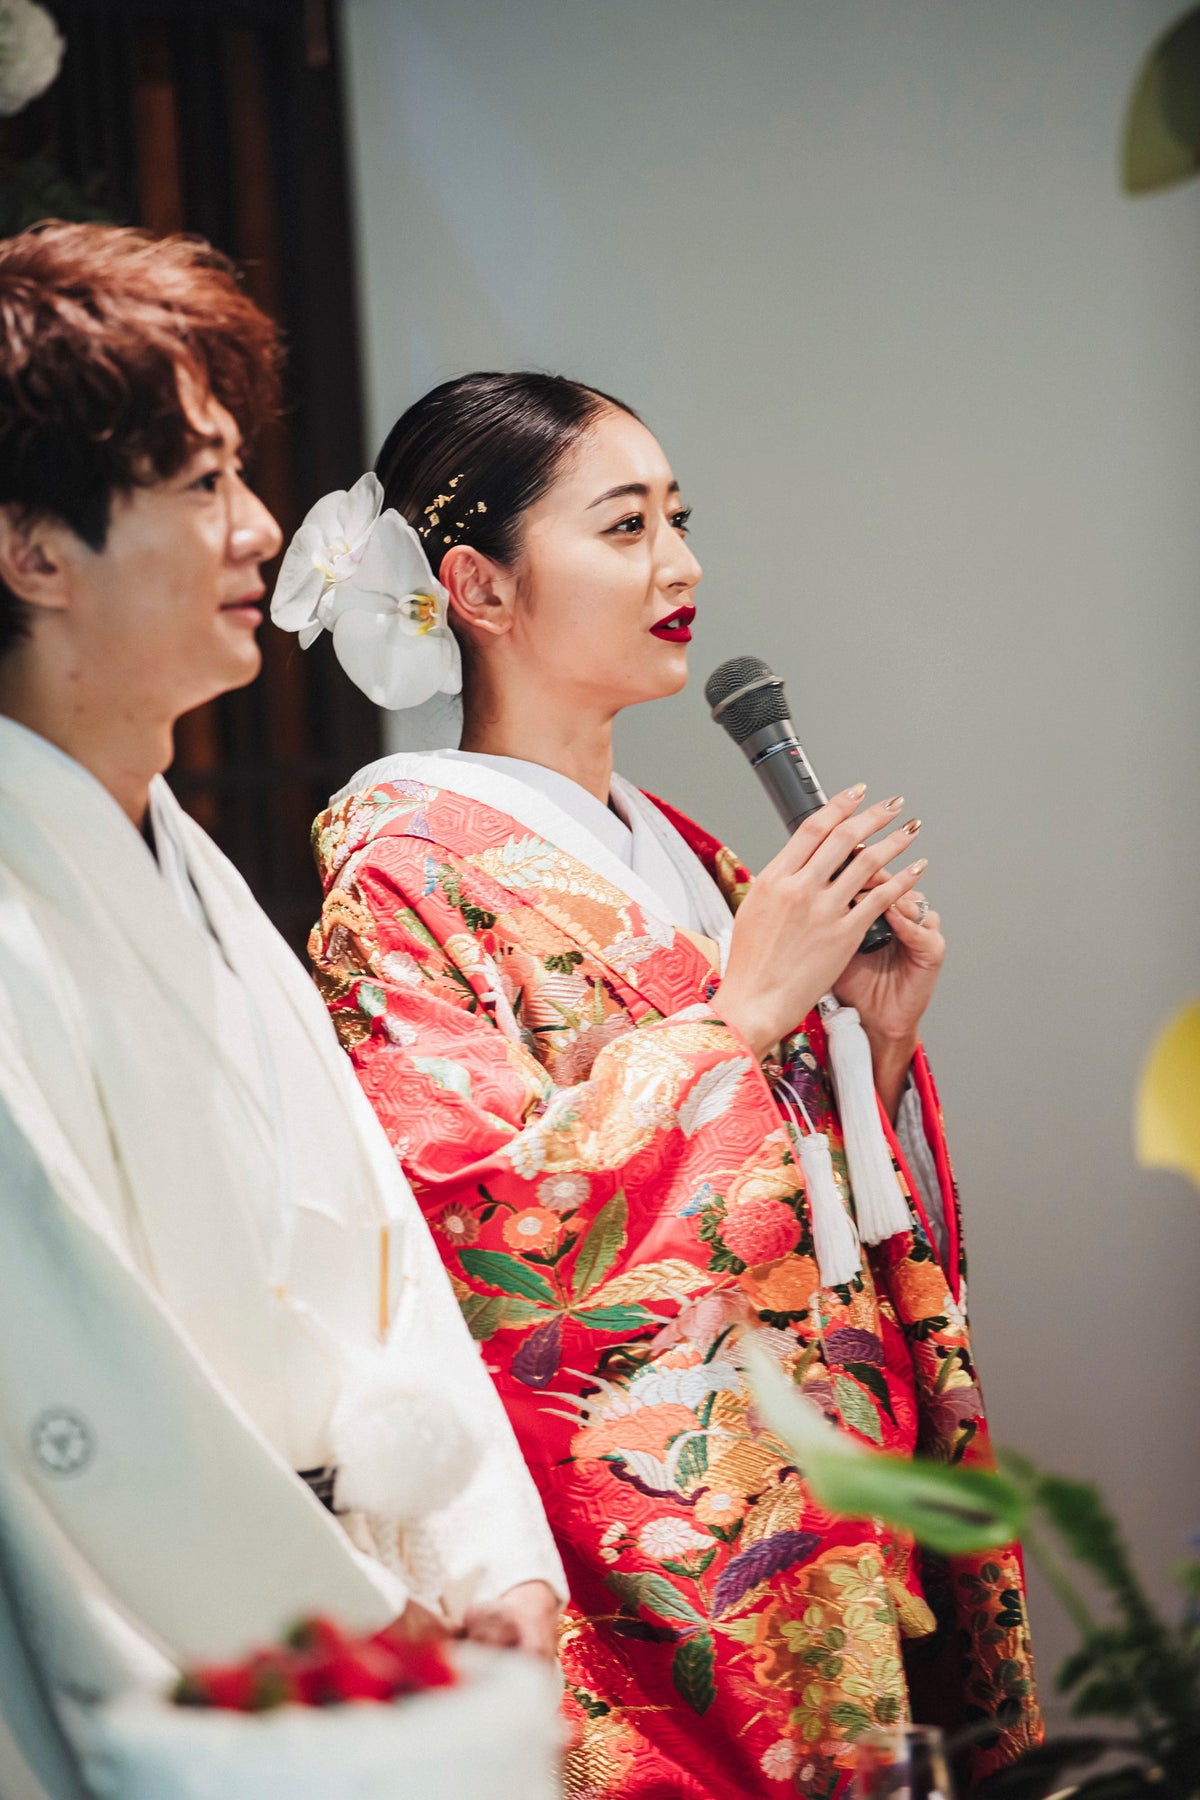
(676,627)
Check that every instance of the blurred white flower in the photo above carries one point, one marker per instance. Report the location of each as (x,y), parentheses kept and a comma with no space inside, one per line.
(362,575)
(31,53)
(668,1539)
(779,1760)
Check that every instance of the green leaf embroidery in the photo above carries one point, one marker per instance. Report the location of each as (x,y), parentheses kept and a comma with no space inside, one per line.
(614,1318)
(484,1314)
(692,1672)
(874,1379)
(506,1272)
(693,1460)
(521,1312)
(602,1245)
(371,999)
(417,928)
(693,1569)
(449,1075)
(854,1407)
(654,1592)
(563,962)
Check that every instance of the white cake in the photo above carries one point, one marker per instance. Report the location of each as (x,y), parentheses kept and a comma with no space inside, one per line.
(497,1736)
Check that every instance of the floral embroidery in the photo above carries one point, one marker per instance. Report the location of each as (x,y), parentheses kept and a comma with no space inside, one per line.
(613,1190)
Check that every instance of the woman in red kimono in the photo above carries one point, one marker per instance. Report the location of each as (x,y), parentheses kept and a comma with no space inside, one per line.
(614,1102)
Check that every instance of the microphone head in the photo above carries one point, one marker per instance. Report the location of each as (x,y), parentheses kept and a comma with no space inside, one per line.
(745,695)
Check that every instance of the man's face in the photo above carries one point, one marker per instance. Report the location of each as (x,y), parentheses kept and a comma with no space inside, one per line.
(165,615)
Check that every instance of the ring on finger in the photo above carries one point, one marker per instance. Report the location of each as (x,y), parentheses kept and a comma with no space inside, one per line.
(922,910)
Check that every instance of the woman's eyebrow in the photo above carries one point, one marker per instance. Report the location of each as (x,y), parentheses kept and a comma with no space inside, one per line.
(637,489)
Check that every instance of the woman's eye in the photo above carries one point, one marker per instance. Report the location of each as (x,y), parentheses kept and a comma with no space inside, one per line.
(680,520)
(628,527)
(210,482)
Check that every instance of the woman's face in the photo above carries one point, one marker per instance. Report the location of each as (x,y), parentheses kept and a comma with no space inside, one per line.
(606,579)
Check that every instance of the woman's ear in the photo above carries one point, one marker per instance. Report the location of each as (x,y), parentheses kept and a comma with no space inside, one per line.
(482,594)
(32,564)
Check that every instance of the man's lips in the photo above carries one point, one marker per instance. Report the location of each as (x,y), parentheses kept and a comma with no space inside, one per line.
(246,603)
(676,627)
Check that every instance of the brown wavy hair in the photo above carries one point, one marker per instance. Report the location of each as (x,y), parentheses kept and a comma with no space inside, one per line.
(97,323)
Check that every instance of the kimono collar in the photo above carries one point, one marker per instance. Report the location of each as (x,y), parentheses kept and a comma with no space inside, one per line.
(527,805)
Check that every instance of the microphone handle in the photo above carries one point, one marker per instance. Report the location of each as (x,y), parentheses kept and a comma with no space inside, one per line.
(777,758)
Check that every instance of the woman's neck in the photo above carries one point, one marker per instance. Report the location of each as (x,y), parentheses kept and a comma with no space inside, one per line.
(572,743)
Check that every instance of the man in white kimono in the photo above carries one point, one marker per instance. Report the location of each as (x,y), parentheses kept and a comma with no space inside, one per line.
(213,1279)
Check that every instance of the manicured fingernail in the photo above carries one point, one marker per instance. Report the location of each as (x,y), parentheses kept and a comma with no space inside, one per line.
(912,828)
(918,868)
(855,793)
(895,803)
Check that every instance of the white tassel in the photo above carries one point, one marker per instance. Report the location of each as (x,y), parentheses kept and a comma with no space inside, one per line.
(879,1204)
(400,1451)
(834,1237)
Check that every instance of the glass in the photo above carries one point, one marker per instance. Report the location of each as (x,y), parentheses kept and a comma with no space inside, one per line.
(902,1762)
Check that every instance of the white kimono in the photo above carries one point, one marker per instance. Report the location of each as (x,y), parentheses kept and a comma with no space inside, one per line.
(206,1248)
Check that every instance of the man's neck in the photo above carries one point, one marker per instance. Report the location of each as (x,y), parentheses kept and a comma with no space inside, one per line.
(123,748)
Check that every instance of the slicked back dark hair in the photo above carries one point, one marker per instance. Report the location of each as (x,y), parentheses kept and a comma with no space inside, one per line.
(469,458)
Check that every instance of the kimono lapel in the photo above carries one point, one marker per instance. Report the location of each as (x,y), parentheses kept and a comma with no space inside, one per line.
(62,827)
(551,854)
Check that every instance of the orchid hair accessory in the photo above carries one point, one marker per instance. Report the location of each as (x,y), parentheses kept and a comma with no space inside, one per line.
(362,574)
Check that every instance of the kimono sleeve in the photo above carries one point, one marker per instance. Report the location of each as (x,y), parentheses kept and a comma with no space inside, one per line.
(470,1110)
(494,1534)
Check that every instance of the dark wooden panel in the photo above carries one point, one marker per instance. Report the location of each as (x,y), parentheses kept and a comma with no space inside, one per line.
(225,117)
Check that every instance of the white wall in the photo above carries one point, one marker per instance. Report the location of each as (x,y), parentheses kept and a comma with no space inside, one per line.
(933,386)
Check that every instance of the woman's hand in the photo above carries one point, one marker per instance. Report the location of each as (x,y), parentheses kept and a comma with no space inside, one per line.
(524,1618)
(798,928)
(891,990)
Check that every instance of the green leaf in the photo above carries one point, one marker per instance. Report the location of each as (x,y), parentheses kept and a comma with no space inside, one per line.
(370,999)
(520,1312)
(952,1510)
(654,1592)
(416,927)
(694,1569)
(484,1314)
(693,1460)
(850,1717)
(602,1245)
(505,1272)
(692,1672)
(615,1318)
(872,1378)
(1162,128)
(857,1409)
(445,1074)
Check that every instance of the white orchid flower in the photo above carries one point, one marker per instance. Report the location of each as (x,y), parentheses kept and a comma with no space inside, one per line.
(362,575)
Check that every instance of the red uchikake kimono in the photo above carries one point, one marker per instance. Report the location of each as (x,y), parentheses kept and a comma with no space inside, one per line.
(608,1177)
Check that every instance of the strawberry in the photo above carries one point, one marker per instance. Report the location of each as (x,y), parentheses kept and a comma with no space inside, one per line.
(354,1671)
(228,1685)
(417,1662)
(317,1634)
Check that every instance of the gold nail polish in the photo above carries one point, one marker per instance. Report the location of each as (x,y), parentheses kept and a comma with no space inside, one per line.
(857,791)
(918,868)
(895,803)
(912,828)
